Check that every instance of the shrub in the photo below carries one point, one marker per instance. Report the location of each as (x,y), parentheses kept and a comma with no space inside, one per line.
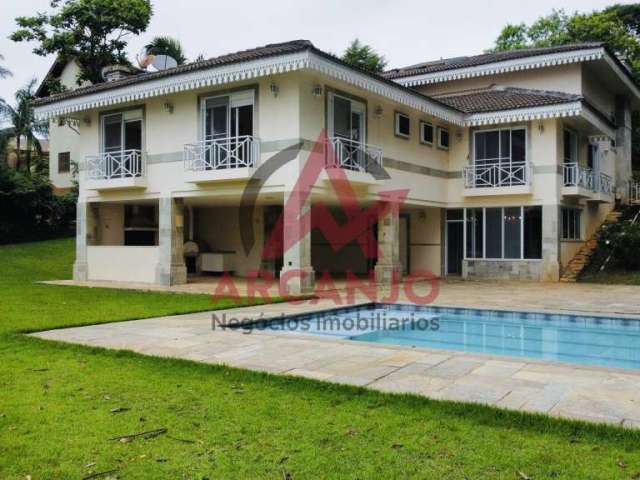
(622,240)
(29,210)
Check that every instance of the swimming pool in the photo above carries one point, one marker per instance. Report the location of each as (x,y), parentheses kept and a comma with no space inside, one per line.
(588,340)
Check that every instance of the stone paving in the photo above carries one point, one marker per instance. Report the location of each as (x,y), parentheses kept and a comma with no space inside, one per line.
(578,392)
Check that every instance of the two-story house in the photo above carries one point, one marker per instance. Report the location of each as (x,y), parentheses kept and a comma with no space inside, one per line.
(508,162)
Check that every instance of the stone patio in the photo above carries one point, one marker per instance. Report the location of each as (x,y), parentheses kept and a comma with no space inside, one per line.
(571,391)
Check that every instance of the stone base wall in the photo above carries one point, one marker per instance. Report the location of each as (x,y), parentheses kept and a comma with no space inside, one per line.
(502,269)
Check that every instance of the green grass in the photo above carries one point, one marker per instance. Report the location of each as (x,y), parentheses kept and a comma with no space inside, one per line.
(56,402)
(613,277)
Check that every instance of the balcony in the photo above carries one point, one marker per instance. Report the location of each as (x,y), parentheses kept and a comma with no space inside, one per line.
(486,178)
(581,182)
(362,162)
(117,170)
(221,159)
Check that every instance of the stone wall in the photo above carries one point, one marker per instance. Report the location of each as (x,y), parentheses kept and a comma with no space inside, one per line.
(502,269)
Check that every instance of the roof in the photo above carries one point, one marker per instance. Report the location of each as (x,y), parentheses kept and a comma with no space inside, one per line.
(241,56)
(496,98)
(484,59)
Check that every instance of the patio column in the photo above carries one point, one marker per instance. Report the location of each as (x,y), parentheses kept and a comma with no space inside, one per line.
(86,234)
(623,147)
(388,267)
(297,276)
(171,269)
(550,267)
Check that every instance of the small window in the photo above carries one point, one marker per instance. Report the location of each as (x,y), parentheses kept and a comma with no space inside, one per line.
(64,162)
(426,133)
(403,125)
(443,138)
(571,228)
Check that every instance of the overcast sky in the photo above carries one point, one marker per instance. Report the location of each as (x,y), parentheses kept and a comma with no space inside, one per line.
(405,31)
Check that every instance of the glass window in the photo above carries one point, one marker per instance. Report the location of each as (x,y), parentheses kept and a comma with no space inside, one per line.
(512,232)
(500,146)
(403,125)
(571,227)
(475,233)
(494,232)
(64,162)
(426,133)
(443,138)
(570,146)
(455,214)
(532,232)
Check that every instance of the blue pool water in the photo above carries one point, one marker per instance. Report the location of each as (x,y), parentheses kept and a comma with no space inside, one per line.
(589,340)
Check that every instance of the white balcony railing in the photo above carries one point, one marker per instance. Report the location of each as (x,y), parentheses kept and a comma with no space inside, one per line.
(222,153)
(492,175)
(114,165)
(577,176)
(605,184)
(353,155)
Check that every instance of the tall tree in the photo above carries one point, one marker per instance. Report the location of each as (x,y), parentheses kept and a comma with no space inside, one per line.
(24,123)
(4,72)
(167,46)
(364,57)
(93,32)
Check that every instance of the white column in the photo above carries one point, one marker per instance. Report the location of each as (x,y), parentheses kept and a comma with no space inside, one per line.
(550,267)
(86,224)
(388,267)
(297,276)
(623,147)
(171,269)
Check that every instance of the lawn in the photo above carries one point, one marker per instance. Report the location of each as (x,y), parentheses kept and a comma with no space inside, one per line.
(613,277)
(60,406)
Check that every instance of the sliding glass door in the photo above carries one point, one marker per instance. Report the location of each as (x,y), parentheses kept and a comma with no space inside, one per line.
(122,144)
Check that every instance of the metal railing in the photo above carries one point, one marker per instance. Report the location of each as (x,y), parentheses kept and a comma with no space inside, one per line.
(222,153)
(353,155)
(491,175)
(116,164)
(577,176)
(605,184)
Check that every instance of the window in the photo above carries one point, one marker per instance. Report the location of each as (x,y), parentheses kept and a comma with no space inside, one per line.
(426,133)
(503,146)
(402,125)
(475,234)
(509,233)
(570,140)
(121,132)
(347,131)
(443,138)
(64,162)
(571,229)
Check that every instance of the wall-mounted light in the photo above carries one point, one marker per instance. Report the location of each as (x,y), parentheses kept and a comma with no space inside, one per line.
(274,89)
(378,111)
(458,135)
(422,215)
(168,107)
(541,128)
(316,91)
(86,120)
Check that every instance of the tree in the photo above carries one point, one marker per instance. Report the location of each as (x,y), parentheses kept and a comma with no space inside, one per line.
(167,46)
(4,72)
(364,57)
(617,26)
(91,31)
(24,123)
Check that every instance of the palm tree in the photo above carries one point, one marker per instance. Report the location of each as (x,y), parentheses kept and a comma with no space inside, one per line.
(167,46)
(4,72)
(24,122)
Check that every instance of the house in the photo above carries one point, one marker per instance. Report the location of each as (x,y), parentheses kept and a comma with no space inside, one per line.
(508,162)
(9,153)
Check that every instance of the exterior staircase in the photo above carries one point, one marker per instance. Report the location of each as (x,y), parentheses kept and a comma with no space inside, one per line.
(581,259)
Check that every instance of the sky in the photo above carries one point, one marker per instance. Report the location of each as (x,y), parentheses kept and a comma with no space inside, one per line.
(404,31)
